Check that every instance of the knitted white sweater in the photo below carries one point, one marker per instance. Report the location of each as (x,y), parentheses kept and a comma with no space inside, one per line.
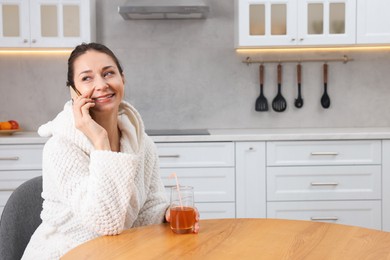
(89,193)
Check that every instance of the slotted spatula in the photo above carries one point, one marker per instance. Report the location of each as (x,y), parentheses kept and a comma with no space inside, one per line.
(279,104)
(261,101)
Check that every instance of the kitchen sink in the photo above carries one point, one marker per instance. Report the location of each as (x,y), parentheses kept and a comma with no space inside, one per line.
(155,132)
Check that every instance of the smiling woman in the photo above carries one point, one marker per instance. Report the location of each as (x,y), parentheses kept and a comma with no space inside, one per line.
(100,169)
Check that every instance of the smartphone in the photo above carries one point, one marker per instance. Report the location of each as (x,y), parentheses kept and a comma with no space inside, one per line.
(74,92)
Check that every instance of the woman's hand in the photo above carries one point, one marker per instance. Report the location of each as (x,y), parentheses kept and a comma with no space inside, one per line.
(84,122)
(197,217)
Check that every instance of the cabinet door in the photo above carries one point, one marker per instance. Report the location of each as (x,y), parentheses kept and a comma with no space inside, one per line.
(386,185)
(14,23)
(202,154)
(64,23)
(347,152)
(373,21)
(216,210)
(326,22)
(250,180)
(357,213)
(324,183)
(210,184)
(265,22)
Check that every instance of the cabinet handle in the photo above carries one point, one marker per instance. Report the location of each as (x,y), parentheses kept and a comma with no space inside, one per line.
(34,41)
(251,149)
(293,39)
(25,41)
(169,186)
(324,184)
(13,158)
(324,218)
(7,189)
(170,156)
(301,39)
(325,153)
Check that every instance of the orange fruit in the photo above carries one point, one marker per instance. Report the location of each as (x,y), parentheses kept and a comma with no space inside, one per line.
(5,126)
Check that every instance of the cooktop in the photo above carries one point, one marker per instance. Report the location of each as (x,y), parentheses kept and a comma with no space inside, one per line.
(155,132)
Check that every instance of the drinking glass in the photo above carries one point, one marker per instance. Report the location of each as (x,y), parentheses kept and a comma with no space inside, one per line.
(182,212)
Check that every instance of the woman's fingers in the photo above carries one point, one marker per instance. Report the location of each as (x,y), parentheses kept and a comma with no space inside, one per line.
(197,217)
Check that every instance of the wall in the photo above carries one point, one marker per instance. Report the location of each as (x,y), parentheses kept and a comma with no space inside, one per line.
(186,74)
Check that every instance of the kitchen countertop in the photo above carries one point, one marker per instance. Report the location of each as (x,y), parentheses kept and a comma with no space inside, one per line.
(219,135)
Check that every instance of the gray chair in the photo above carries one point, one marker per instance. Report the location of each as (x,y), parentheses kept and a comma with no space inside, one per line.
(20,218)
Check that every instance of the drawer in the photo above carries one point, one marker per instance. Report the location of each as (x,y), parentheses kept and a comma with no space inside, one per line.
(324,183)
(210,184)
(10,180)
(323,153)
(356,213)
(196,154)
(216,210)
(21,157)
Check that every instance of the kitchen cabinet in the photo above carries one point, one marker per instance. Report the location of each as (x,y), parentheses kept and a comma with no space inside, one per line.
(207,166)
(333,181)
(18,163)
(373,21)
(46,23)
(250,180)
(385,185)
(334,178)
(294,22)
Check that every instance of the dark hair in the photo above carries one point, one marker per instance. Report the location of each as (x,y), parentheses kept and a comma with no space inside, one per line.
(82,49)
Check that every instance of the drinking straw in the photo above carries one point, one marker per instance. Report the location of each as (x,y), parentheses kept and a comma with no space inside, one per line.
(177,187)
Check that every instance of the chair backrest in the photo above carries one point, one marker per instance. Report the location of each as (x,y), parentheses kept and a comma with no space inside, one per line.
(20,218)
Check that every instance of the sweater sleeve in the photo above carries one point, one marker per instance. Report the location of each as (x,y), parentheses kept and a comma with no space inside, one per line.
(156,204)
(98,188)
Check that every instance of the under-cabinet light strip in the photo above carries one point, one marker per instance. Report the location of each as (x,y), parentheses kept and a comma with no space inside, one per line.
(24,51)
(344,59)
(305,49)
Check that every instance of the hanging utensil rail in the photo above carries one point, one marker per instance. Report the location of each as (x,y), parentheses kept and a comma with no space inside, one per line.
(344,60)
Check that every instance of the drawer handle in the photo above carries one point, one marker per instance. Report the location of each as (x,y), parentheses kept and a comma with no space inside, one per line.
(169,186)
(324,184)
(324,218)
(13,158)
(170,156)
(325,153)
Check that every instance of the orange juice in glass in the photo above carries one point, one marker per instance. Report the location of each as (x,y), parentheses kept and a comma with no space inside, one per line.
(182,212)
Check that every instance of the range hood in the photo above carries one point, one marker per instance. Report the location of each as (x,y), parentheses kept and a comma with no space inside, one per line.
(164,9)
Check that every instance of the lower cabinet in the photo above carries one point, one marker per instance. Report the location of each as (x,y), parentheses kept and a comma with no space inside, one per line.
(341,181)
(207,166)
(18,163)
(330,181)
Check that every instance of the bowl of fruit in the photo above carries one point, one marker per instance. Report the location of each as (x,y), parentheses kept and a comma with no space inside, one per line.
(9,127)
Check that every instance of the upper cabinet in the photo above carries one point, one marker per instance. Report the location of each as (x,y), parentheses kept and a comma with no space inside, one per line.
(373,23)
(46,23)
(261,23)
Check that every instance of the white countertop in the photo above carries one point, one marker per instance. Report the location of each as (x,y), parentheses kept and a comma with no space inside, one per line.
(218,135)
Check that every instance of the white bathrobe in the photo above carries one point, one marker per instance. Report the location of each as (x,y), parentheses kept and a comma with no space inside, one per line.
(89,193)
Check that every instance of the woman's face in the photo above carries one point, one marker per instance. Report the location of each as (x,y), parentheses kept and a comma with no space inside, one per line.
(98,71)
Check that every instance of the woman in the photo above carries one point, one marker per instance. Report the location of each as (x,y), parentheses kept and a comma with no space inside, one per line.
(100,169)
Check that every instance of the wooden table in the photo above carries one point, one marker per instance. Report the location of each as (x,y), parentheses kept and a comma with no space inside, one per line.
(241,239)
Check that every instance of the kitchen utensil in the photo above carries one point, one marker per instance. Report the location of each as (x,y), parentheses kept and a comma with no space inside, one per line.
(279,104)
(299,101)
(325,100)
(261,101)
